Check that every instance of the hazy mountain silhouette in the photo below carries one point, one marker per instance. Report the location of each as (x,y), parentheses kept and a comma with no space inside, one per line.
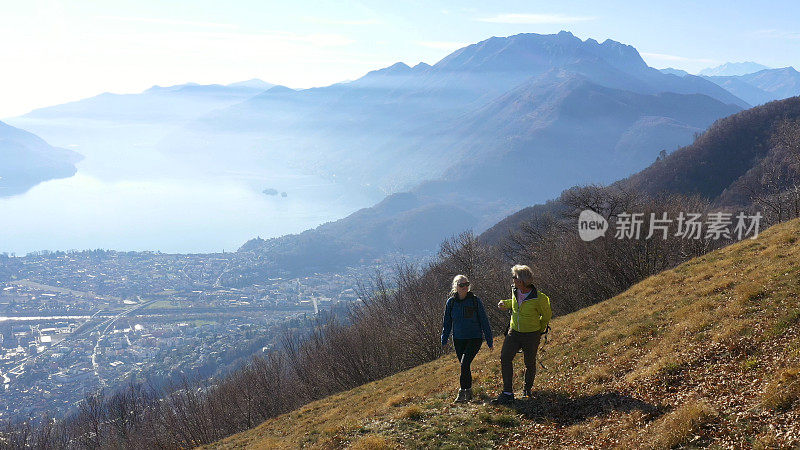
(563,126)
(399,126)
(26,160)
(550,110)
(732,69)
(118,133)
(405,222)
(159,103)
(482,191)
(717,166)
(255,83)
(672,71)
(762,86)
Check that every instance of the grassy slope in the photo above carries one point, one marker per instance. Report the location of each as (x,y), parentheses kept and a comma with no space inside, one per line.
(705,354)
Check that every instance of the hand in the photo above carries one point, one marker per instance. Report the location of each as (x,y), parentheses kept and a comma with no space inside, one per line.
(501,305)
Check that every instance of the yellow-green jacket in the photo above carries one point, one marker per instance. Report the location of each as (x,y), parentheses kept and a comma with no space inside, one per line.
(533,315)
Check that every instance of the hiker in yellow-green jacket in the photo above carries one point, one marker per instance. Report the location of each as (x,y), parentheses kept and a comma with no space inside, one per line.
(530,315)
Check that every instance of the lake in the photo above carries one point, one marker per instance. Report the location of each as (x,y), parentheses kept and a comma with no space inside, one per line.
(184,215)
(131,193)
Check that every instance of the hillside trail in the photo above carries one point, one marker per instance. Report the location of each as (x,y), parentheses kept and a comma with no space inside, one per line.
(706,354)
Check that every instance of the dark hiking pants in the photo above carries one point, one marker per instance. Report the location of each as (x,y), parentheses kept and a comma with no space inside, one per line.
(466,349)
(529,343)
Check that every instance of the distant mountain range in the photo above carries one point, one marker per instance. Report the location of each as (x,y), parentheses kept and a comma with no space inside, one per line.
(732,69)
(568,112)
(26,160)
(672,71)
(752,82)
(763,86)
(117,133)
(401,126)
(157,104)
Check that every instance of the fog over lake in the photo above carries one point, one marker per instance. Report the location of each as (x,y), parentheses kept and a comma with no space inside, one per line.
(128,196)
(170,215)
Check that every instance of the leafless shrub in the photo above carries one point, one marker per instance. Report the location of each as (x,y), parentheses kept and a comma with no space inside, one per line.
(575,273)
(773,185)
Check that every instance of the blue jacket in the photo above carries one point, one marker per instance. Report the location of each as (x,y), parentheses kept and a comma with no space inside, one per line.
(466,318)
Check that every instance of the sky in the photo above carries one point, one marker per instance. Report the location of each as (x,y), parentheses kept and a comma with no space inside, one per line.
(54,51)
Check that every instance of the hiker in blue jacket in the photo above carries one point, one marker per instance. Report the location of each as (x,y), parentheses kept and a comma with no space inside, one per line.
(465,316)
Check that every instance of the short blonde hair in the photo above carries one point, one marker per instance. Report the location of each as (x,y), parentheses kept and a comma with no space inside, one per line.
(457,279)
(524,273)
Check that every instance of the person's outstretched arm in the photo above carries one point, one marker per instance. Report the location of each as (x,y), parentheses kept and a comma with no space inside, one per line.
(447,322)
(505,304)
(485,326)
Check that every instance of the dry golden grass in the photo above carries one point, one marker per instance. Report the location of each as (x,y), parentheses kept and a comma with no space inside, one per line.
(343,410)
(767,441)
(598,374)
(399,400)
(749,291)
(674,428)
(372,443)
(724,327)
(412,412)
(783,390)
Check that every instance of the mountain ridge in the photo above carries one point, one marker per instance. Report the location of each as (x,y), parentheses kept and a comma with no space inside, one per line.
(625,116)
(763,86)
(27,160)
(733,69)
(154,103)
(435,200)
(713,166)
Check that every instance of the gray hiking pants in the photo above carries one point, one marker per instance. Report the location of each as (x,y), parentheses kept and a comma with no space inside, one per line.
(529,343)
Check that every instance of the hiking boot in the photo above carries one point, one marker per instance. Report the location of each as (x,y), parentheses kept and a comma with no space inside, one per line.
(503,399)
(461,396)
(467,395)
(527,393)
